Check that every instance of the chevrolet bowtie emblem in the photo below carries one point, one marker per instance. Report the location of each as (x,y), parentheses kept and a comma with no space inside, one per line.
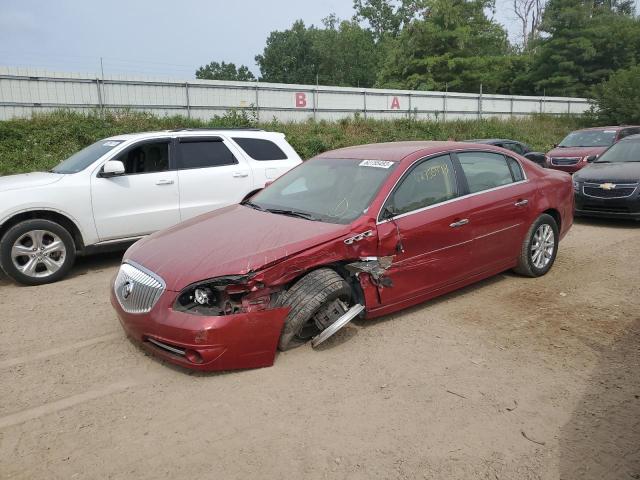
(607,186)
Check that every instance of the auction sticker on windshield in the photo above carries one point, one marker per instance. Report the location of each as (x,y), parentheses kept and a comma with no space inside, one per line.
(375,163)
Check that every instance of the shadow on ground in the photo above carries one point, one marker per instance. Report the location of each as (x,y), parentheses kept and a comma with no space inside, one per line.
(602,438)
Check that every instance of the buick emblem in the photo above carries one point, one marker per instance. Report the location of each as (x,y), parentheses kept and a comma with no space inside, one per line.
(127,288)
(608,186)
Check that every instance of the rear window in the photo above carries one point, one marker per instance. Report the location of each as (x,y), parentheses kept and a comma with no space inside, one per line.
(199,153)
(260,149)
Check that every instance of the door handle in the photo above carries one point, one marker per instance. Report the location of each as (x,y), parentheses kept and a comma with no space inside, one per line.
(459,223)
(240,174)
(521,203)
(164,182)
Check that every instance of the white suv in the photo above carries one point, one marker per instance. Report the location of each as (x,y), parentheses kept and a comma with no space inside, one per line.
(125,187)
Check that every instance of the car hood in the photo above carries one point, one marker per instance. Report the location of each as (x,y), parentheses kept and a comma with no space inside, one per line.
(28,180)
(576,151)
(230,241)
(623,172)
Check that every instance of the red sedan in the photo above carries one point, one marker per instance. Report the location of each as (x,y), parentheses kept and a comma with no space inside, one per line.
(361,231)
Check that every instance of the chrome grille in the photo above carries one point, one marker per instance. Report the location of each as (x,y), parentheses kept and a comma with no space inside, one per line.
(619,190)
(562,161)
(137,289)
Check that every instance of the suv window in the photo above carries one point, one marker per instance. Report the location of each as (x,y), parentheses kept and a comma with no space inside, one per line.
(203,153)
(432,181)
(485,170)
(148,157)
(260,149)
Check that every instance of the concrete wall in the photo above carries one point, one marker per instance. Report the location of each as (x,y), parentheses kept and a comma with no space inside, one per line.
(24,91)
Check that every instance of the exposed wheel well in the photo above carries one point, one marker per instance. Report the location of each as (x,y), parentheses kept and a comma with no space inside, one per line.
(60,219)
(556,216)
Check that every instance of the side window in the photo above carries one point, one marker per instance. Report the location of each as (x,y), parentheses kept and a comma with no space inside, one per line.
(514,147)
(485,170)
(148,157)
(260,149)
(203,153)
(516,169)
(432,181)
(628,131)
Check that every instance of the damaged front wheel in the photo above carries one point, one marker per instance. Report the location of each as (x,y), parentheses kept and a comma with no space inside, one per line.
(316,300)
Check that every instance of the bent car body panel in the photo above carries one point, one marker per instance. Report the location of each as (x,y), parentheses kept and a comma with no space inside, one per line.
(229,342)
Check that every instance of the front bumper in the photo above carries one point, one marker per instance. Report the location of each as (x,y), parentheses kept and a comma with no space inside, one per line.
(628,207)
(229,342)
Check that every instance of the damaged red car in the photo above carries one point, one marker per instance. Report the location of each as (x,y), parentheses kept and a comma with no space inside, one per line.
(356,232)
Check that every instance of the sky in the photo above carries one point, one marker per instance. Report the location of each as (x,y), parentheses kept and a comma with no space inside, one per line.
(155,37)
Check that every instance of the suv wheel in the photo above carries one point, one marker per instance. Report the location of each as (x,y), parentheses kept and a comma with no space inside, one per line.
(35,252)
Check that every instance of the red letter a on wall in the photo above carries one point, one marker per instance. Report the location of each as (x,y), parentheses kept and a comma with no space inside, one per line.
(395,104)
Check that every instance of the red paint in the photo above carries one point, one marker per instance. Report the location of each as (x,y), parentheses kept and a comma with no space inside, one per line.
(395,104)
(278,249)
(301,100)
(582,152)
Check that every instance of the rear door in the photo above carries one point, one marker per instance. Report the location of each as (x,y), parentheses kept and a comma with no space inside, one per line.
(141,201)
(211,175)
(499,216)
(268,160)
(428,233)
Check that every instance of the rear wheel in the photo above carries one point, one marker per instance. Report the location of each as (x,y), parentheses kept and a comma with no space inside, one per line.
(315,300)
(539,248)
(35,252)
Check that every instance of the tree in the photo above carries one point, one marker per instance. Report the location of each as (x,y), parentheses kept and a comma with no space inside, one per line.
(456,45)
(224,71)
(387,17)
(586,41)
(529,13)
(342,53)
(617,100)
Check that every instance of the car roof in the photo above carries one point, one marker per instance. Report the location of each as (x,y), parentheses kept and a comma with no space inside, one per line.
(392,151)
(610,127)
(190,132)
(491,141)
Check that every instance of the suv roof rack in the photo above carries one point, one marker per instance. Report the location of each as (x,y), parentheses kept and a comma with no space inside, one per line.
(219,128)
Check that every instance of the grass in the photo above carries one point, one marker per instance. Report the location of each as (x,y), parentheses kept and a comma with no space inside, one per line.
(41,142)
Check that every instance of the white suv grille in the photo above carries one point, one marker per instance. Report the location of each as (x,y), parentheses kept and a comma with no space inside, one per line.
(137,289)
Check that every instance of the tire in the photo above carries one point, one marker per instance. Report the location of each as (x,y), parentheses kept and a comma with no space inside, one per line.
(35,252)
(534,264)
(307,297)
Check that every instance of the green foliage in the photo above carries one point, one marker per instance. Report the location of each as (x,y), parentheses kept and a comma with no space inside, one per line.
(342,53)
(456,44)
(387,17)
(43,141)
(224,71)
(586,42)
(617,101)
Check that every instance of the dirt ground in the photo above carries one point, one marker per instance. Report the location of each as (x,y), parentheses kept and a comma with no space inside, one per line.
(512,378)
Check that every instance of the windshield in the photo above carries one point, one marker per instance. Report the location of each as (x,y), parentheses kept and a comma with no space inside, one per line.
(85,157)
(326,189)
(622,152)
(589,138)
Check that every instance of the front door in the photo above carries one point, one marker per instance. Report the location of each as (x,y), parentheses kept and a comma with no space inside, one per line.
(143,200)
(428,232)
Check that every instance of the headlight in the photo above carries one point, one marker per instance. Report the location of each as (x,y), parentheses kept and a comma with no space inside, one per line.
(576,186)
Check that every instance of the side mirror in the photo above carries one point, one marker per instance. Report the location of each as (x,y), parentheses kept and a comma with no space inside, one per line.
(555,145)
(592,158)
(536,157)
(268,182)
(112,168)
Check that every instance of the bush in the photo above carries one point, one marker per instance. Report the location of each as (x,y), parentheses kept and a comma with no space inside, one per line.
(617,101)
(41,142)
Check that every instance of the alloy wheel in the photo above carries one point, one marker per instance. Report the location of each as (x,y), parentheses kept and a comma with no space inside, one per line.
(38,253)
(543,246)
